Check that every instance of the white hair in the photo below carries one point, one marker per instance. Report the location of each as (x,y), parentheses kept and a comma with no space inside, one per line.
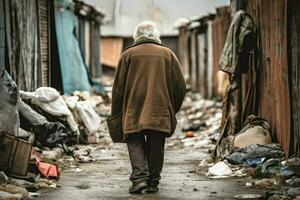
(146,29)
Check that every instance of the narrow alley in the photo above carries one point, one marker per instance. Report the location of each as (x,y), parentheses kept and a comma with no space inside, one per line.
(149,99)
(106,177)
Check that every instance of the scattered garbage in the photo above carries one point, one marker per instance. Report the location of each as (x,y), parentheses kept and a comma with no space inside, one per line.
(48,170)
(220,169)
(200,122)
(265,183)
(248,196)
(12,189)
(253,162)
(293,192)
(255,151)
(293,182)
(83,155)
(293,164)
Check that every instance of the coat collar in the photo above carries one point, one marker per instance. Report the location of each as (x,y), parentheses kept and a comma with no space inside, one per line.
(145,39)
(142,40)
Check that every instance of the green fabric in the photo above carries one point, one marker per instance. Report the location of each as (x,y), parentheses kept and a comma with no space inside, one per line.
(240,39)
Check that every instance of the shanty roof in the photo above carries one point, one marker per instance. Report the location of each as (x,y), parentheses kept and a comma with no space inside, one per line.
(121,16)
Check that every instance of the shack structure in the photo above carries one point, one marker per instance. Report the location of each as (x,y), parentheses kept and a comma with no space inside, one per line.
(200,43)
(39,47)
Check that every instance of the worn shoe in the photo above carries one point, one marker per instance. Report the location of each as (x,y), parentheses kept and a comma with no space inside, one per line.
(138,188)
(153,189)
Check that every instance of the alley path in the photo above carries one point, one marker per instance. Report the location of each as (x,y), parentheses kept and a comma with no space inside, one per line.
(107,178)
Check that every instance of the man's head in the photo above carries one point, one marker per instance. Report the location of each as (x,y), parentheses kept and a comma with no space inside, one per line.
(146,29)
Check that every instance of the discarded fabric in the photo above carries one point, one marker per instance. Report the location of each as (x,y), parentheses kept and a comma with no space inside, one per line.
(255,151)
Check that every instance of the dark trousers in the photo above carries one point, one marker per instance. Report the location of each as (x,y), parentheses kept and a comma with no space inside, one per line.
(146,153)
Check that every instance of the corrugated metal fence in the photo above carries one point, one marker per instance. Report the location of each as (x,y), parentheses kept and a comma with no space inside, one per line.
(270,17)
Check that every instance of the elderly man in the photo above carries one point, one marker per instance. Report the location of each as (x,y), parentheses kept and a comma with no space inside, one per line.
(148,91)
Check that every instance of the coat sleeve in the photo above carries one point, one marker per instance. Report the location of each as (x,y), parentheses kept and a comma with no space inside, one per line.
(119,87)
(179,86)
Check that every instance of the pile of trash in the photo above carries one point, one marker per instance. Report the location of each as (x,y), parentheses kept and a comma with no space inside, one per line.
(200,121)
(40,133)
(253,154)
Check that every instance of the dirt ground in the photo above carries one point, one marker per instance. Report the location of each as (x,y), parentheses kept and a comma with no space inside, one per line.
(108,178)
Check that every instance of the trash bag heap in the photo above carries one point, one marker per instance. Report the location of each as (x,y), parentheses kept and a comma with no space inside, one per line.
(40,130)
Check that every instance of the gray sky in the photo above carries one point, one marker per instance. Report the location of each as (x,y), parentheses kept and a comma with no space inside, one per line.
(123,15)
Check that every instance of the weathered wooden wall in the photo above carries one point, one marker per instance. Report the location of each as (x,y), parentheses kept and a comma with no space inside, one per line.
(44,36)
(270,16)
(294,64)
(220,26)
(22,43)
(183,52)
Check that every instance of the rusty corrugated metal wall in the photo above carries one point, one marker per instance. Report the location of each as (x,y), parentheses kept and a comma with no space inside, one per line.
(270,16)
(22,43)
(294,64)
(43,28)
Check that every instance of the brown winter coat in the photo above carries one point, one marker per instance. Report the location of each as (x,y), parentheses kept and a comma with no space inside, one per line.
(148,89)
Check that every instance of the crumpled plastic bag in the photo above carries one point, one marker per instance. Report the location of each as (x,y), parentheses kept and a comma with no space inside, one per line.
(88,116)
(255,151)
(9,96)
(50,101)
(47,133)
(220,169)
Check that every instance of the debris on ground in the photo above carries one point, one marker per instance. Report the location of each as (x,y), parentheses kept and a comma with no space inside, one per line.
(255,151)
(220,169)
(52,127)
(200,122)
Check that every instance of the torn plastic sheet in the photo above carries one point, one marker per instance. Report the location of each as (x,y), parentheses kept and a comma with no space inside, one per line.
(50,101)
(47,133)
(48,170)
(9,93)
(255,151)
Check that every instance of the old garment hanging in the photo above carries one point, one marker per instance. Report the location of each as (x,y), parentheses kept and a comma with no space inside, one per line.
(239,59)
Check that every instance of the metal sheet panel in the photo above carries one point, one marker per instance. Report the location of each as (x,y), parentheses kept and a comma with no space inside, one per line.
(43,24)
(270,16)
(294,7)
(22,42)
